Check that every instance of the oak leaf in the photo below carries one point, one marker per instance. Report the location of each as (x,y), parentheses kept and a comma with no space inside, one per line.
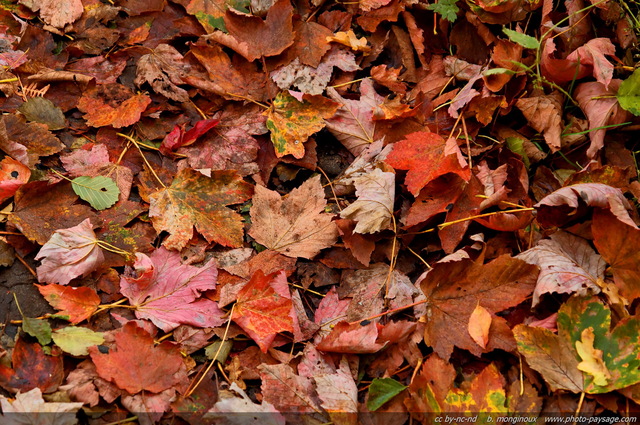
(165,291)
(427,156)
(69,253)
(592,362)
(263,308)
(135,363)
(73,304)
(454,289)
(567,264)
(294,226)
(194,199)
(292,121)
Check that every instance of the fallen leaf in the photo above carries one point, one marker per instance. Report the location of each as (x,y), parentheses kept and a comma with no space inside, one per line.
(615,242)
(30,408)
(567,264)
(628,94)
(454,289)
(163,69)
(544,114)
(486,393)
(567,204)
(294,226)
(479,325)
(381,391)
(593,53)
(12,175)
(54,13)
(291,121)
(230,409)
(349,39)
(427,156)
(210,13)
(32,368)
(353,123)
(178,137)
(165,291)
(135,363)
(69,253)
(338,393)
(194,199)
(112,104)
(74,304)
(76,341)
(374,207)
(27,142)
(351,338)
(100,192)
(592,362)
(263,308)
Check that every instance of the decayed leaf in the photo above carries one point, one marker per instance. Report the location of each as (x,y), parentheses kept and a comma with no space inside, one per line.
(615,241)
(287,391)
(135,363)
(194,199)
(55,13)
(291,121)
(263,308)
(427,156)
(479,325)
(165,291)
(567,264)
(544,114)
(163,69)
(30,408)
(550,355)
(32,368)
(112,104)
(253,37)
(294,226)
(27,142)
(353,123)
(12,175)
(454,289)
(592,362)
(69,253)
(374,207)
(566,204)
(74,304)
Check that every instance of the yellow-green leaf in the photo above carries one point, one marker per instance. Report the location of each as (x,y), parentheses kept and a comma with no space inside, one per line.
(77,340)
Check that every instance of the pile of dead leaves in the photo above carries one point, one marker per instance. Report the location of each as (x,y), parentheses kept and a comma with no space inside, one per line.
(349,212)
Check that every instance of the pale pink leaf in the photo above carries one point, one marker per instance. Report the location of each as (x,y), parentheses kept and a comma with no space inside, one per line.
(165,291)
(593,53)
(68,254)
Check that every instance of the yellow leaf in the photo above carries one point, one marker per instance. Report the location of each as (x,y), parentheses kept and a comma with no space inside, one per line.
(592,362)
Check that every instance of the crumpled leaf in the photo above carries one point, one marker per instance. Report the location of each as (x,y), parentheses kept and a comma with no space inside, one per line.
(55,13)
(112,104)
(69,253)
(294,226)
(427,156)
(291,121)
(353,123)
(165,291)
(263,308)
(374,207)
(593,53)
(615,242)
(252,37)
(44,111)
(30,408)
(566,204)
(135,363)
(454,289)
(544,114)
(163,70)
(76,340)
(13,174)
(178,137)
(194,199)
(567,264)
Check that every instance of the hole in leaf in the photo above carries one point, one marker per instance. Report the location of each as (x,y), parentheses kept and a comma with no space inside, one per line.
(15,174)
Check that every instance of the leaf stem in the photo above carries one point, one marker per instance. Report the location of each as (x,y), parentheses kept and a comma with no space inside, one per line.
(137,144)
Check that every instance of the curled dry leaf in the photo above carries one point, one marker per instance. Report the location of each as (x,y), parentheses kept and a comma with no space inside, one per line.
(69,253)
(294,226)
(28,406)
(373,209)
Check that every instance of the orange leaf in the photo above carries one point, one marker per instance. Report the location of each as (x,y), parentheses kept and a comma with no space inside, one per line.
(76,303)
(479,325)
(112,104)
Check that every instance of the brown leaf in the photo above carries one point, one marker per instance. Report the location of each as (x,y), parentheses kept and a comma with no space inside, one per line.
(287,391)
(55,13)
(294,226)
(32,368)
(544,114)
(567,264)
(454,289)
(27,142)
(351,338)
(163,69)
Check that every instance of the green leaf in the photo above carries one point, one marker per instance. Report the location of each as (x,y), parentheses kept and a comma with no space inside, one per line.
(629,93)
(222,352)
(445,8)
(101,192)
(498,71)
(77,340)
(37,328)
(524,40)
(516,145)
(381,391)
